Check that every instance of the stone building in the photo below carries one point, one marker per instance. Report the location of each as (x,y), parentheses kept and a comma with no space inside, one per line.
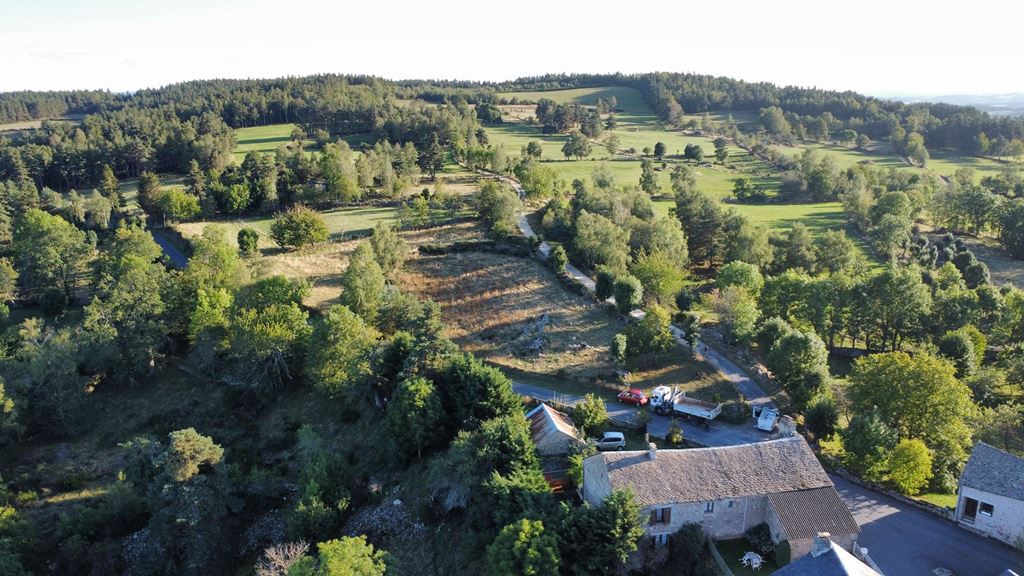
(991,495)
(727,490)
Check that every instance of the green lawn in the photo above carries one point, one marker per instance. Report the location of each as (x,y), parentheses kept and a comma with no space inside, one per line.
(942,500)
(340,222)
(880,154)
(733,550)
(630,100)
(265,139)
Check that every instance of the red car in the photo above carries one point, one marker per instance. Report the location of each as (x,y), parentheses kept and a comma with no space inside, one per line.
(633,396)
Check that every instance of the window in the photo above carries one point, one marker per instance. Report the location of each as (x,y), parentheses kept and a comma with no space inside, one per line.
(709,508)
(661,516)
(985,509)
(731,503)
(660,539)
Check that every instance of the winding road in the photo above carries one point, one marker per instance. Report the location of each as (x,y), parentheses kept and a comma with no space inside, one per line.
(751,391)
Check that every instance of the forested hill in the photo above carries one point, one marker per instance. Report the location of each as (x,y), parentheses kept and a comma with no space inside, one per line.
(259,102)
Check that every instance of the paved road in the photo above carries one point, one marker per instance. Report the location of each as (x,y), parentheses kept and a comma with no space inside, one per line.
(905,541)
(718,434)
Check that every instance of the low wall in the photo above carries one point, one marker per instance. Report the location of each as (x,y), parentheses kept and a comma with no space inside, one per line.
(718,559)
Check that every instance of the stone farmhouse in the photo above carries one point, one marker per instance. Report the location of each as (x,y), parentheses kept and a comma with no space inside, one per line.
(727,490)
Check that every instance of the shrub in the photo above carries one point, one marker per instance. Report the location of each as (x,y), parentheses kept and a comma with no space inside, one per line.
(297,227)
(675,434)
(821,417)
(248,242)
(629,293)
(590,416)
(558,259)
(619,349)
(605,283)
(684,300)
(53,302)
(760,538)
(783,553)
(910,466)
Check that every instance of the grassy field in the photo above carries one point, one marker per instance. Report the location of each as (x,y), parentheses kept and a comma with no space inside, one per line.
(340,222)
(880,154)
(264,139)
(490,302)
(638,128)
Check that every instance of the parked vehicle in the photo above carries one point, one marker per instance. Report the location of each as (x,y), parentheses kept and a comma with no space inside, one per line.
(667,401)
(612,441)
(633,396)
(767,418)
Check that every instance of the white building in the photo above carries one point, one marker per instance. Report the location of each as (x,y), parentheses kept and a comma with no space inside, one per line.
(991,496)
(727,490)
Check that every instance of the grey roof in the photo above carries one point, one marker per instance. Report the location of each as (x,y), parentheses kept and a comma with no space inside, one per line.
(835,562)
(995,471)
(806,513)
(704,474)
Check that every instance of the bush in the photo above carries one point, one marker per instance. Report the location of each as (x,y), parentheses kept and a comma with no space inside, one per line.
(821,417)
(783,553)
(684,300)
(605,283)
(686,546)
(629,294)
(53,302)
(619,349)
(675,434)
(297,227)
(248,242)
(760,538)
(771,332)
(910,466)
(557,259)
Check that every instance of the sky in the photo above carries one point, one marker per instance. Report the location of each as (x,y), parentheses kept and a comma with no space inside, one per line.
(885,48)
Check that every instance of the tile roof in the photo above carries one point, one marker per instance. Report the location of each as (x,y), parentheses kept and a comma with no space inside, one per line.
(704,474)
(835,562)
(805,513)
(995,471)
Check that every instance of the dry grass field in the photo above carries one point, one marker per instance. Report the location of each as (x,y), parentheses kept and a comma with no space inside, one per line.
(491,302)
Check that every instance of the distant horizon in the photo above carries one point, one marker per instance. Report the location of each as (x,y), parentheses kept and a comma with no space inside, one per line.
(889,95)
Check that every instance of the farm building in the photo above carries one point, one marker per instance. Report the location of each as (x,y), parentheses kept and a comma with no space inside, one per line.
(991,496)
(826,559)
(552,431)
(727,490)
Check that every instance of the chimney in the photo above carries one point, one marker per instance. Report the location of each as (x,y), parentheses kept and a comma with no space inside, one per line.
(822,544)
(652,450)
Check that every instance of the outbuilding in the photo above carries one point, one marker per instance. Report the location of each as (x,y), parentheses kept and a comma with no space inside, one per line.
(991,495)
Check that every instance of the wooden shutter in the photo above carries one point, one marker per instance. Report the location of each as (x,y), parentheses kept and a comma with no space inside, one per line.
(667,516)
(654,517)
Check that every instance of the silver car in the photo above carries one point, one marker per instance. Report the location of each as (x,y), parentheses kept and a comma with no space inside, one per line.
(612,441)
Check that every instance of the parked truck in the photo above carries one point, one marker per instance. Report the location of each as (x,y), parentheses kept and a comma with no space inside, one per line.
(667,401)
(766,417)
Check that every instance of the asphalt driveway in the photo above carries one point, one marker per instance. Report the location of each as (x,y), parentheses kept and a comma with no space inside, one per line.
(905,541)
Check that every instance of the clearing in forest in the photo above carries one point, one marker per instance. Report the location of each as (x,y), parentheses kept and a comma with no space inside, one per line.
(493,305)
